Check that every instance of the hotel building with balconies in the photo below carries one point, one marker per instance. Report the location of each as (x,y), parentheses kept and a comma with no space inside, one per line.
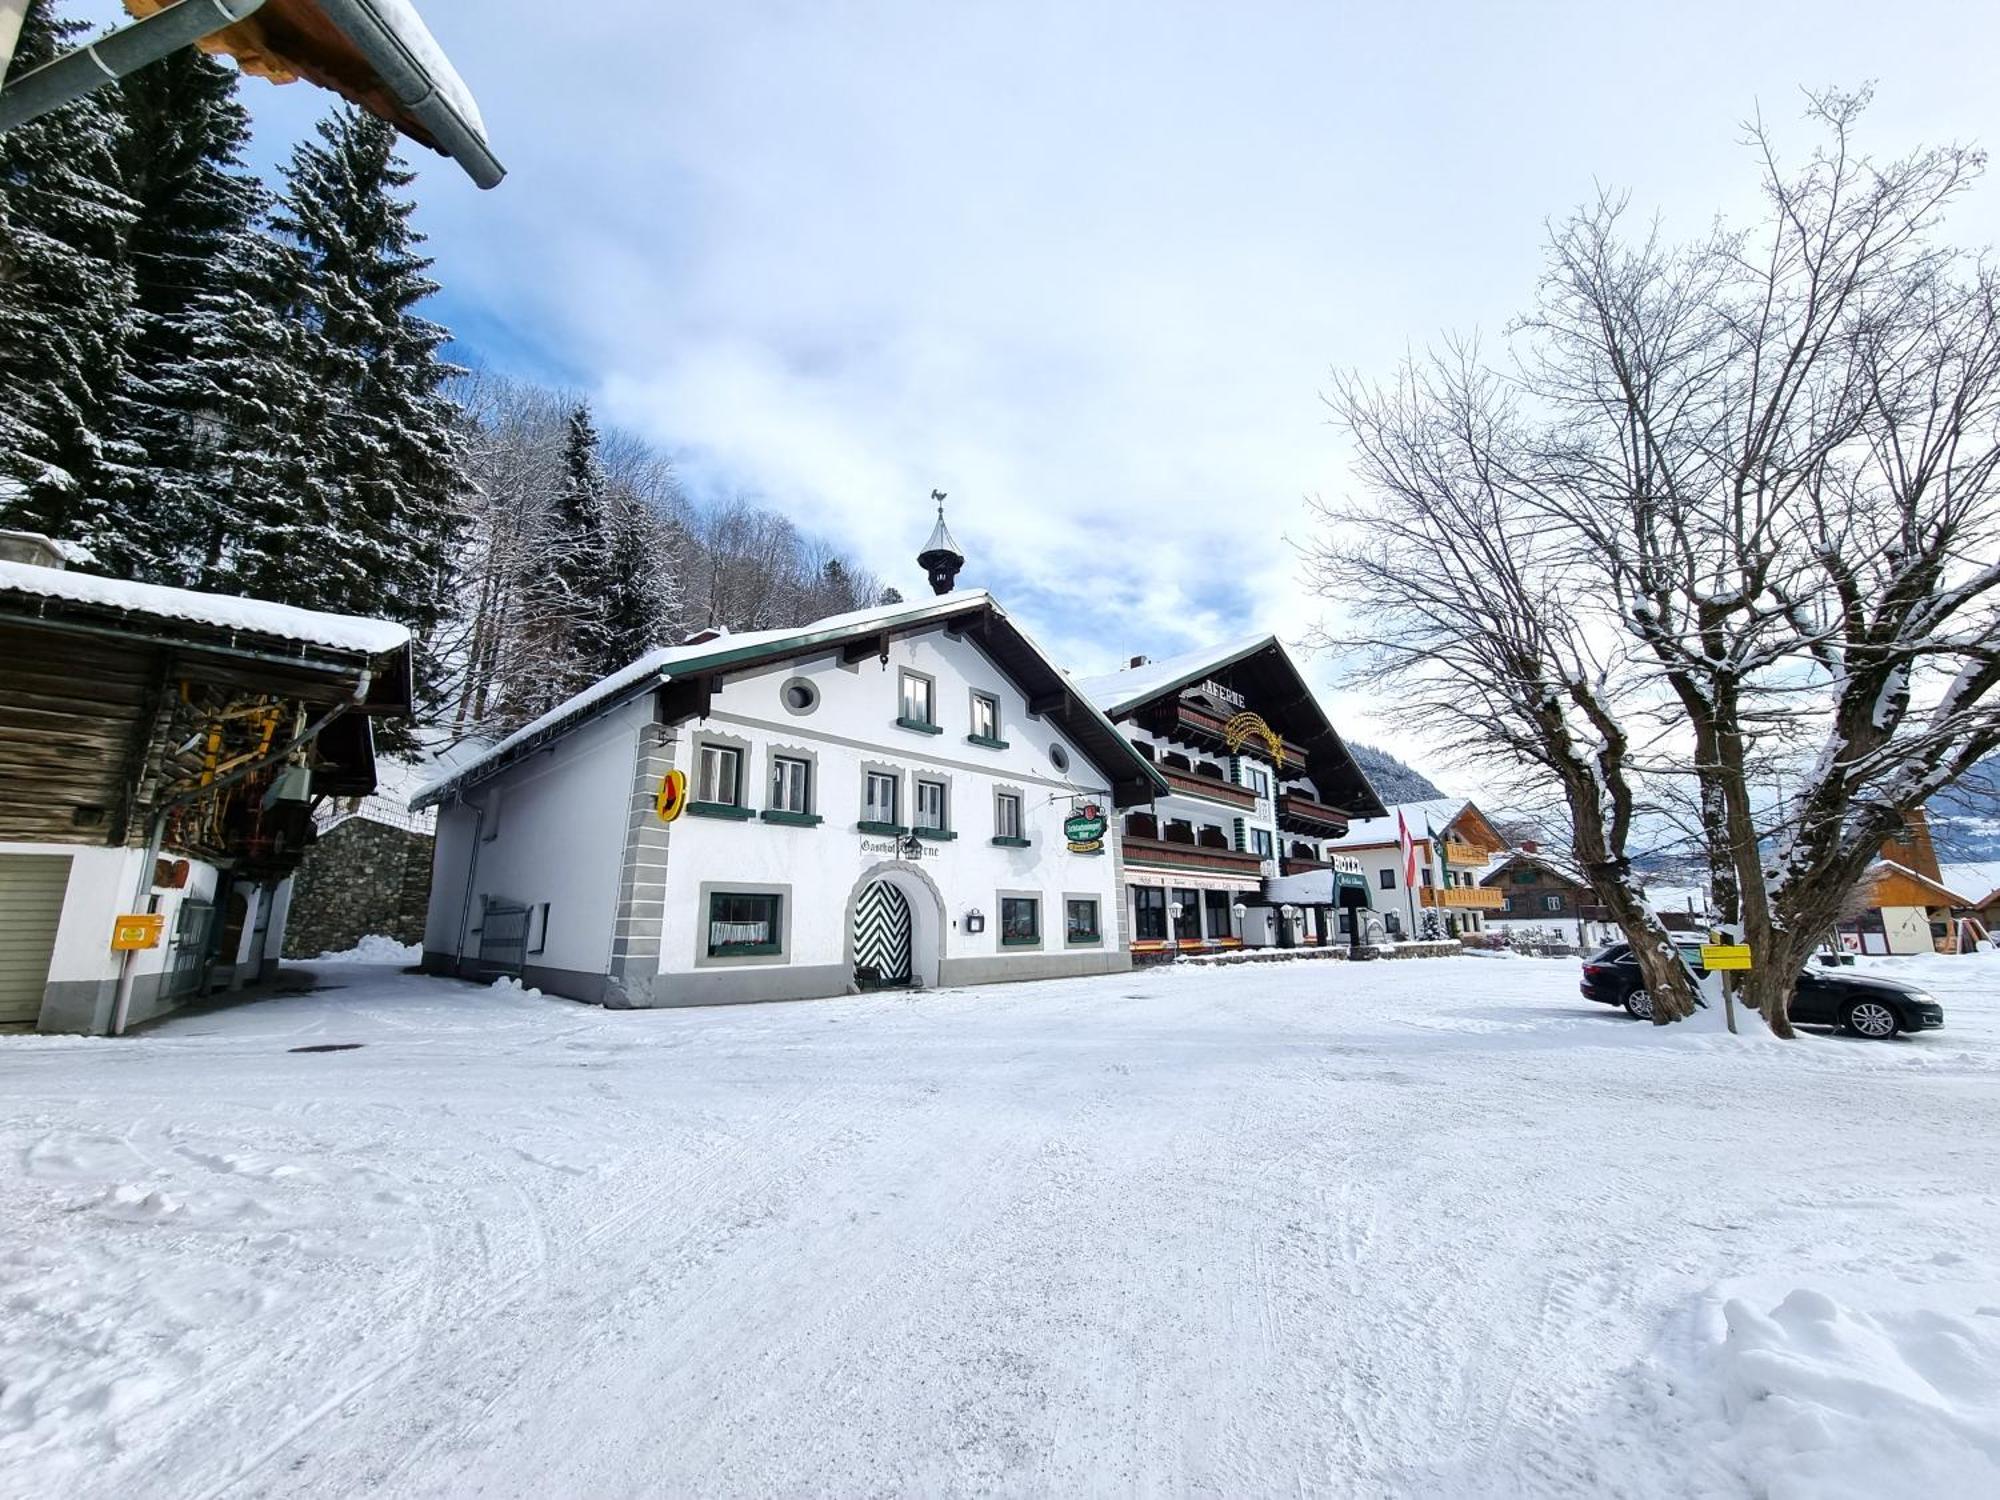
(1258,781)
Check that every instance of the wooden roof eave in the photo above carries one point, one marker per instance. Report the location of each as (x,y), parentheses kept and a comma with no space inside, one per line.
(310,673)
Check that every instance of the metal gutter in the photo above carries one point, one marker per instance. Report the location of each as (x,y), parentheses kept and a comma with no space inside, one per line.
(414,87)
(68,78)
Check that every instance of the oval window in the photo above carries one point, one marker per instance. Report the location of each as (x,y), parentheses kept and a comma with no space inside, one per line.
(1059,757)
(799,695)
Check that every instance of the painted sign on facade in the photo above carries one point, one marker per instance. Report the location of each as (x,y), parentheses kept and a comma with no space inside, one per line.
(897,848)
(1215,692)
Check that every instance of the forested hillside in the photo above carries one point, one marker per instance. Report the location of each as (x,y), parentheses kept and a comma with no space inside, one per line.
(1393,781)
(217,383)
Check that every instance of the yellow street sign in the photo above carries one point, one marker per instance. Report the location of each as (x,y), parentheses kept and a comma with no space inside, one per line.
(1725,956)
(136,931)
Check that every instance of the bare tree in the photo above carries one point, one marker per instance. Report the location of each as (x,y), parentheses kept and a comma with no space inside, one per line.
(1766,464)
(1458,599)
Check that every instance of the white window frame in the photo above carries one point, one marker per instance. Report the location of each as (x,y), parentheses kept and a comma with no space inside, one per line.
(1003,803)
(713,755)
(989,704)
(869,807)
(943,790)
(791,776)
(903,698)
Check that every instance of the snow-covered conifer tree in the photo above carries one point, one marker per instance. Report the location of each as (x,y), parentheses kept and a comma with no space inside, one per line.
(386,451)
(65,288)
(168,486)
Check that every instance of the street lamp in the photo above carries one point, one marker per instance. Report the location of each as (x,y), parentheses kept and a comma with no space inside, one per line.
(1174,910)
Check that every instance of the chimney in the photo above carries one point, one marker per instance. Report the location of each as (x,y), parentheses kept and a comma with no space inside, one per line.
(1530,846)
(1137,661)
(32,548)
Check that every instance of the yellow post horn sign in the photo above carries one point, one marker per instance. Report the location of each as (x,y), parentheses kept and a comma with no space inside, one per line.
(1247,726)
(673,796)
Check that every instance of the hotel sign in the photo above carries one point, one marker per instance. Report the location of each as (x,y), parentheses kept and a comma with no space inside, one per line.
(1215,691)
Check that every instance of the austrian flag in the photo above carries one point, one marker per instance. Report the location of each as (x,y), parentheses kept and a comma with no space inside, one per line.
(1409,847)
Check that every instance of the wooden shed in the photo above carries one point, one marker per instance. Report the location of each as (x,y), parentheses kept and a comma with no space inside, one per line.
(160,751)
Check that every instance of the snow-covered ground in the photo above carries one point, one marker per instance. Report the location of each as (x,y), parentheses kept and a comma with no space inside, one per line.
(1426,1228)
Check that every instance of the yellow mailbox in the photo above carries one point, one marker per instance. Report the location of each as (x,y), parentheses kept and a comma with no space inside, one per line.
(137,930)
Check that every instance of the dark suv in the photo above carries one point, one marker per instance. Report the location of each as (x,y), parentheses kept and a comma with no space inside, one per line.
(1862,1003)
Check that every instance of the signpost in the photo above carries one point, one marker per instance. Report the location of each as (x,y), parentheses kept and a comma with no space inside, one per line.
(1725,956)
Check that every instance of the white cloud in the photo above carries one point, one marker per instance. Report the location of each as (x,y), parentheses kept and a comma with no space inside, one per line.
(1084,266)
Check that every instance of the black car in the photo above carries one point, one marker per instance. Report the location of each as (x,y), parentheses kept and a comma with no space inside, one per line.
(1861,1003)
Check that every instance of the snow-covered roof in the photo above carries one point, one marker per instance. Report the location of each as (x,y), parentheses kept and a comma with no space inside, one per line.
(745,648)
(231,612)
(1440,811)
(1117,691)
(1557,864)
(1952,897)
(1978,880)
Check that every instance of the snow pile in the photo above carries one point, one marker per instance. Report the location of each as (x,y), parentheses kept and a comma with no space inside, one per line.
(507,985)
(377,948)
(1820,1399)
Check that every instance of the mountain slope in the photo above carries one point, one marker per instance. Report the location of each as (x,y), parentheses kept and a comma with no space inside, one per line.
(1393,781)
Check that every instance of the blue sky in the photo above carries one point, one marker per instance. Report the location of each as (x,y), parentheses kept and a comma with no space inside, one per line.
(1087,266)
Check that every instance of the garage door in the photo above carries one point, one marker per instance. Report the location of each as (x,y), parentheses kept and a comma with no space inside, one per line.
(31,901)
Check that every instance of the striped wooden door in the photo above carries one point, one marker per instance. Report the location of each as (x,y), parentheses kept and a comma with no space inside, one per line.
(881,936)
(31,903)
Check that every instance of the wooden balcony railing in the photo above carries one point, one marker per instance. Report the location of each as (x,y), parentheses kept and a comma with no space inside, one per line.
(1476,897)
(1210,788)
(1304,812)
(1191,856)
(1199,726)
(1464,856)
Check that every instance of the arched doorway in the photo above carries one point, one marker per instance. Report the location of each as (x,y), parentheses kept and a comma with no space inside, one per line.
(871,921)
(881,937)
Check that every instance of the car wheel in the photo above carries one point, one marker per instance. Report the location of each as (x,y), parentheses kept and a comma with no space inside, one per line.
(1639,1005)
(1870,1018)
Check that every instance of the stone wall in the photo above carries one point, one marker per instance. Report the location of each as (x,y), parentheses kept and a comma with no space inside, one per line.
(358,878)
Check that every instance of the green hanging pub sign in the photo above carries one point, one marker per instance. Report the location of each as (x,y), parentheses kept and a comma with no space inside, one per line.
(1084,829)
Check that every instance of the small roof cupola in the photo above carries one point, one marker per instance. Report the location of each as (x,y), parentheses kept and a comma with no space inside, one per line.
(941,558)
